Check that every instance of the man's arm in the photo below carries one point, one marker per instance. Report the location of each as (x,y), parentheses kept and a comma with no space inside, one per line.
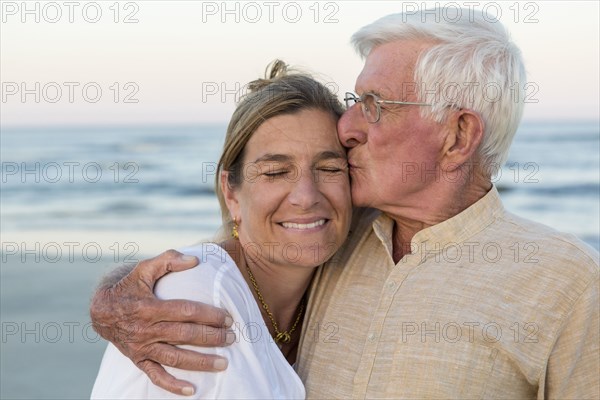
(125,312)
(573,369)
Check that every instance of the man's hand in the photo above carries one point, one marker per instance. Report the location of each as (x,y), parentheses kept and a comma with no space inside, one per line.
(145,329)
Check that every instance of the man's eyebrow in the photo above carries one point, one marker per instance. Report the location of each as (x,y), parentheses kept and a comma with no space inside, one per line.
(273,157)
(366,89)
(375,92)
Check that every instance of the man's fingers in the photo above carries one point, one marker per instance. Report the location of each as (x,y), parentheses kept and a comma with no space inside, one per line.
(149,271)
(161,378)
(188,333)
(172,356)
(191,311)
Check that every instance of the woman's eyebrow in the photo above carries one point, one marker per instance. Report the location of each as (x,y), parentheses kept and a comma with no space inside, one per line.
(282,158)
(273,157)
(328,155)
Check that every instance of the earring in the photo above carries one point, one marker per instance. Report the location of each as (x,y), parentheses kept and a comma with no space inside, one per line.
(234,230)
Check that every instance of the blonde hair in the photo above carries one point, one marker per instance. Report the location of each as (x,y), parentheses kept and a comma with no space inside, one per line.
(282,91)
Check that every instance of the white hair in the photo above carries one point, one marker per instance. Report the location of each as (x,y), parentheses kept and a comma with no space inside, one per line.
(472,64)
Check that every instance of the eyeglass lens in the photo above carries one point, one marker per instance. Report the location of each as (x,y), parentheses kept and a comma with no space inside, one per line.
(369,105)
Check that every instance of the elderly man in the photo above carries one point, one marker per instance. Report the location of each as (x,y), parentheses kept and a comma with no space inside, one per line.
(439,292)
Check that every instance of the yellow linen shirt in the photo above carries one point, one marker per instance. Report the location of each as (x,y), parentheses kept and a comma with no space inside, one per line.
(487,305)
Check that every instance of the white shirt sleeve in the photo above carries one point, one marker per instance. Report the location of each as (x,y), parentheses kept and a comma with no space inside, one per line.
(257,369)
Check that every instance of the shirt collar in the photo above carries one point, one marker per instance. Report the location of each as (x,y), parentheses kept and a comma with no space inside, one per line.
(457,229)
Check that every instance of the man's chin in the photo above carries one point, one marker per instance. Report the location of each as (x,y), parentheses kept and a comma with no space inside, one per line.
(359,197)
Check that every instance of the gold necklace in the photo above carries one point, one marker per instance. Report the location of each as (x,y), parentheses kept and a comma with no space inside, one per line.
(286,336)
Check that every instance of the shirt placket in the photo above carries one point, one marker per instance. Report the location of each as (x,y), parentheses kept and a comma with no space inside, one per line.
(390,289)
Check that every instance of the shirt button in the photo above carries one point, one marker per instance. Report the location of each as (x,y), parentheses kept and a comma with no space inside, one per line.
(372,337)
(391,284)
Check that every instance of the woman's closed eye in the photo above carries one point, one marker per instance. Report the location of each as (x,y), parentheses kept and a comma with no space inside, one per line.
(333,168)
(276,173)
(273,170)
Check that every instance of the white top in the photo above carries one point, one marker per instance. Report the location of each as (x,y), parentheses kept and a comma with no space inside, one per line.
(257,368)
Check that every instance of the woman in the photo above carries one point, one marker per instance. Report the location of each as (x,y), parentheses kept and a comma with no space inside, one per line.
(284,192)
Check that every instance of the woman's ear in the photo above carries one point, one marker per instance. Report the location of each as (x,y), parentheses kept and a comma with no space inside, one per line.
(464,137)
(230,195)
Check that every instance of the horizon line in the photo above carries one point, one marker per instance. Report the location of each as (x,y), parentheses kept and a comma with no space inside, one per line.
(54,126)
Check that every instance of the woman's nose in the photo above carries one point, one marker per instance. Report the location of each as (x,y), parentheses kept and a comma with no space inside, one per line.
(305,190)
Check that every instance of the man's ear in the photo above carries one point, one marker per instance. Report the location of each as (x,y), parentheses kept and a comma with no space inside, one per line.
(465,133)
(230,196)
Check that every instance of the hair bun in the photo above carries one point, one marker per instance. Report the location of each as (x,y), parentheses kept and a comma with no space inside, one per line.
(275,70)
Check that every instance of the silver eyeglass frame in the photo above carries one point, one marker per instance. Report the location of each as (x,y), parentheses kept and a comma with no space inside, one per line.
(350,99)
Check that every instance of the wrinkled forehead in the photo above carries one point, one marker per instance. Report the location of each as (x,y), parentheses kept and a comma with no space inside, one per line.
(390,67)
(299,135)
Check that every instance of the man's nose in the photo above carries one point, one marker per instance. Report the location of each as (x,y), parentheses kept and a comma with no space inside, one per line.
(352,127)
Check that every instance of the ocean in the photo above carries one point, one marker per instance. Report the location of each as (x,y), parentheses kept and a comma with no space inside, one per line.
(76,201)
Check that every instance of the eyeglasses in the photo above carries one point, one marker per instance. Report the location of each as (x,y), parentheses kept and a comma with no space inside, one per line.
(371,104)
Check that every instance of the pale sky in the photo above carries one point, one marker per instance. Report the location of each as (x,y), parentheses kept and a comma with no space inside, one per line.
(183,60)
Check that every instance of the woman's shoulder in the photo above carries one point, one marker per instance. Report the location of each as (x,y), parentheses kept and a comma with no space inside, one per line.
(216,272)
